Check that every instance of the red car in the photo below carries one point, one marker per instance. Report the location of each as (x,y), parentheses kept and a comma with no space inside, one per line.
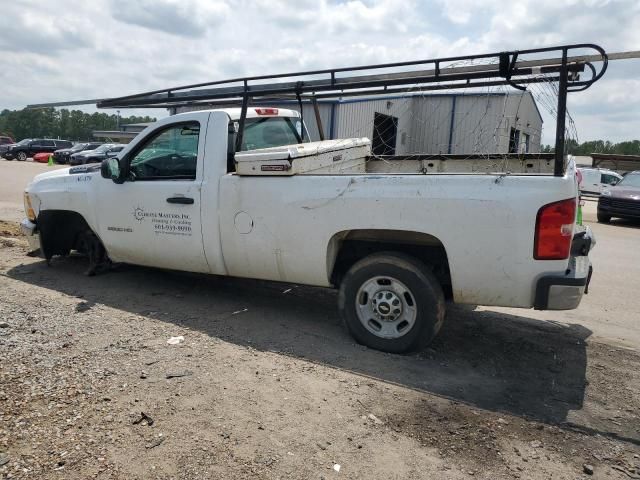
(42,157)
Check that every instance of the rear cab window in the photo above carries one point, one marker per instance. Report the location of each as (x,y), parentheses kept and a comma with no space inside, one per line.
(271,132)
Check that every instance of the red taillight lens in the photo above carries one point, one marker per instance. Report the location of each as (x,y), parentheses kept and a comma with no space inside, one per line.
(554,230)
(266,111)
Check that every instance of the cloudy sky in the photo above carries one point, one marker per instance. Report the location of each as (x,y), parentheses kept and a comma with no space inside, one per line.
(76,49)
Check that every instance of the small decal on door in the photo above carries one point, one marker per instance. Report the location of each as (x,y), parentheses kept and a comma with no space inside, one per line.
(165,223)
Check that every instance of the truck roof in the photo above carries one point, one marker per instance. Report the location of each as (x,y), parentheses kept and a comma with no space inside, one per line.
(252,112)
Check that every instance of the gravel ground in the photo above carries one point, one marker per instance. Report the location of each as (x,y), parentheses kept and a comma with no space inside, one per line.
(268,384)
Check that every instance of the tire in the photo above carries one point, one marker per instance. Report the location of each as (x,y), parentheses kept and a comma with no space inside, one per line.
(401,297)
(21,157)
(602,218)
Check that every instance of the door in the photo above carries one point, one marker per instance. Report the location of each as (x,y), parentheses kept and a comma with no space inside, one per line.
(590,181)
(33,147)
(153,218)
(385,131)
(48,146)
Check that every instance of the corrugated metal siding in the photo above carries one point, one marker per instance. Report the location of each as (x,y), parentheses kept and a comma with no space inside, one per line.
(355,119)
(477,124)
(430,124)
(310,118)
(523,115)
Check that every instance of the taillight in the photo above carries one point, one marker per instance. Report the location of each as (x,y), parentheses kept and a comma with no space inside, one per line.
(266,111)
(554,230)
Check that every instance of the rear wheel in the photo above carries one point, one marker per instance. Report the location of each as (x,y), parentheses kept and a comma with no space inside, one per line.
(391,302)
(602,218)
(22,156)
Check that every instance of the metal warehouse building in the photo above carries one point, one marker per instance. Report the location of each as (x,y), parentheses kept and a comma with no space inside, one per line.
(438,123)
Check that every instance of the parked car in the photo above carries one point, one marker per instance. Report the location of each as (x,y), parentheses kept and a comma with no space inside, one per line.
(42,157)
(622,200)
(28,148)
(393,242)
(595,180)
(96,155)
(62,155)
(5,141)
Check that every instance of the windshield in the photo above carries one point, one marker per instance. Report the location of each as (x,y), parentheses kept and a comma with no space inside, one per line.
(271,132)
(78,148)
(103,148)
(631,180)
(24,142)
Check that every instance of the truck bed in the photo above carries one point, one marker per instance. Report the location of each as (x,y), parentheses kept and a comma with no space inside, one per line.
(288,165)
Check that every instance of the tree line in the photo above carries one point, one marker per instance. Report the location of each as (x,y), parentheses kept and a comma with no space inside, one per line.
(64,124)
(631,147)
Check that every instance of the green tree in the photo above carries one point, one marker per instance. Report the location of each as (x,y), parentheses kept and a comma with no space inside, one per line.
(63,123)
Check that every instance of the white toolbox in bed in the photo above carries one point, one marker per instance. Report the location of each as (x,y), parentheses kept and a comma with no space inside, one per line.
(318,158)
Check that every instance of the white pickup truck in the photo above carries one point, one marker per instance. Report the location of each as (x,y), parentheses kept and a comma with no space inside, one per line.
(396,236)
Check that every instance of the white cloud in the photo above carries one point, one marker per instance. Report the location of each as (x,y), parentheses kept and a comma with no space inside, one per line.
(191,18)
(32,30)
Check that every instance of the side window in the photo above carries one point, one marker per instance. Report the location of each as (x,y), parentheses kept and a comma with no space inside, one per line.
(170,154)
(608,179)
(48,143)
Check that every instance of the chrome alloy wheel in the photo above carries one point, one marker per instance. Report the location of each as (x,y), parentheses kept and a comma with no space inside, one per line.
(386,307)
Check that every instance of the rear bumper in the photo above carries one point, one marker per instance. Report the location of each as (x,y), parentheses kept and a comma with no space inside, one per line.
(30,231)
(564,292)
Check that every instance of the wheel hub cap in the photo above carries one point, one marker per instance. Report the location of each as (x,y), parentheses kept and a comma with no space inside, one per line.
(386,307)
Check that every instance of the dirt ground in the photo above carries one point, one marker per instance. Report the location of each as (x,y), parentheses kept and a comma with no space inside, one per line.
(268,384)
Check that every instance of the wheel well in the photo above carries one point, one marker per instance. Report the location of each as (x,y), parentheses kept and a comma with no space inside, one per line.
(348,247)
(61,231)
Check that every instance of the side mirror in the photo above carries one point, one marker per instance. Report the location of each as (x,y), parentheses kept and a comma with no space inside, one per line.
(110,168)
(614,182)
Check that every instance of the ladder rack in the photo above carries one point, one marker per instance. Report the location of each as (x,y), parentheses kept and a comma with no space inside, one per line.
(566,66)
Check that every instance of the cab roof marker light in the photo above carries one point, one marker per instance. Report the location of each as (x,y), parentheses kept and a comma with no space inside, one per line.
(266,111)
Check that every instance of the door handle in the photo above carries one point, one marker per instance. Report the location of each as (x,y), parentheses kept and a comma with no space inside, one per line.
(180,200)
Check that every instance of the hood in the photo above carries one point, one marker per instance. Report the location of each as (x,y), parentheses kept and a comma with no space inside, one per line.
(66,172)
(631,193)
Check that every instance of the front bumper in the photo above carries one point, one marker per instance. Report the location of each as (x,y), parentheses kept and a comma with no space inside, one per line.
(9,155)
(30,231)
(617,207)
(564,292)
